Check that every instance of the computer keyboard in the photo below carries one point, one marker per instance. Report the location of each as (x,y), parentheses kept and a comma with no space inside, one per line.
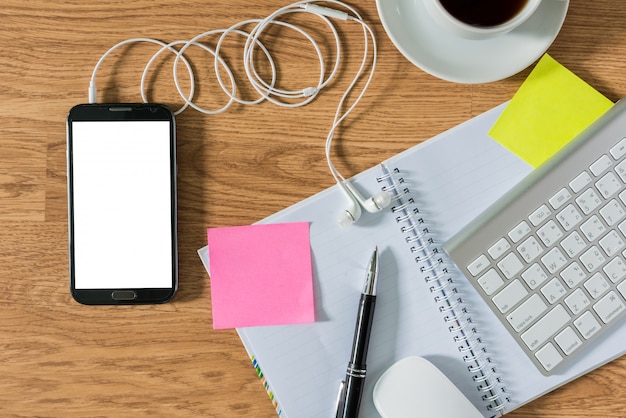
(549,257)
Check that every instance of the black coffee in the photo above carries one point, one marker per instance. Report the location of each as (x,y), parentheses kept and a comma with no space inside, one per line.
(483,13)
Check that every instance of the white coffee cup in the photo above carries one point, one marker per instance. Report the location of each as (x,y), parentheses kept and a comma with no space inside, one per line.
(450,23)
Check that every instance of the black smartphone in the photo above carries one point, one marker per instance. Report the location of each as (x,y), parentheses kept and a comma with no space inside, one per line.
(122,203)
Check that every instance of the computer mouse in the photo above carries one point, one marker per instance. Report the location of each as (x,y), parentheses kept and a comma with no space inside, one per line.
(414,387)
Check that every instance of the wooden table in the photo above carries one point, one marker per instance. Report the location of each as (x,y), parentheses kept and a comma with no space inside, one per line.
(59,358)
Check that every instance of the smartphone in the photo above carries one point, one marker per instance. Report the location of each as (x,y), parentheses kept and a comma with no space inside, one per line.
(122,203)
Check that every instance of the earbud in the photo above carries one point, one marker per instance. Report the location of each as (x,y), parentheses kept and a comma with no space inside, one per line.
(353,212)
(373,204)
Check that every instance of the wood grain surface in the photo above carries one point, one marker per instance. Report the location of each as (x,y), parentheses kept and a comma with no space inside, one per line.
(62,359)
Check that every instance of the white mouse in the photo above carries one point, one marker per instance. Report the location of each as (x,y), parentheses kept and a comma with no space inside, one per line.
(414,387)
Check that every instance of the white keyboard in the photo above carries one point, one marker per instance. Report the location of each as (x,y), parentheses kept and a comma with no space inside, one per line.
(549,257)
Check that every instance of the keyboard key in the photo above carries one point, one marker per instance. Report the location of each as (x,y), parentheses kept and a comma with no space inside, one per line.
(527,312)
(620,169)
(499,248)
(553,291)
(546,327)
(619,149)
(622,288)
(549,357)
(611,243)
(593,228)
(534,276)
(510,265)
(573,274)
(573,244)
(597,285)
(510,296)
(569,217)
(587,325)
(609,307)
(600,165)
(608,185)
(577,301)
(540,215)
(530,249)
(622,195)
(592,259)
(519,232)
(568,340)
(615,269)
(550,233)
(560,198)
(580,181)
(490,282)
(588,201)
(478,265)
(554,260)
(622,227)
(612,212)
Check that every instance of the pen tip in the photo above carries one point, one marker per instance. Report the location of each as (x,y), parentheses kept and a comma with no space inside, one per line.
(372,273)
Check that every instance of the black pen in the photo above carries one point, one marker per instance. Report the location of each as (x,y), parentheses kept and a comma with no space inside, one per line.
(351,388)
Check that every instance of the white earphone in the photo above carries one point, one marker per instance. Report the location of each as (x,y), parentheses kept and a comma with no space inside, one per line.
(268,90)
(353,212)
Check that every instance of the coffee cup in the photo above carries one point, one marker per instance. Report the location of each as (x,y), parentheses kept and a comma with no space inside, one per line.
(480,19)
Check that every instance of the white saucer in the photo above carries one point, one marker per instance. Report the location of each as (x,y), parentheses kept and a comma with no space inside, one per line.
(460,60)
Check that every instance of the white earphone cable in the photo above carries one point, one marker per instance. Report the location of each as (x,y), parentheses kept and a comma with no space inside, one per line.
(339,117)
(92,83)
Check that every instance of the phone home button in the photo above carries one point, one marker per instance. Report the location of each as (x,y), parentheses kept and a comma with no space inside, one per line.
(122,295)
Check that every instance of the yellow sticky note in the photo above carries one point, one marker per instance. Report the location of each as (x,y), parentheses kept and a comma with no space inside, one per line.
(551,107)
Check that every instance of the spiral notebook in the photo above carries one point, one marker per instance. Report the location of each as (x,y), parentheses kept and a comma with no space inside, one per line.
(425,306)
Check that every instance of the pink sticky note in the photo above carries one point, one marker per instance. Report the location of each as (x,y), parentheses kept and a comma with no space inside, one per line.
(261,275)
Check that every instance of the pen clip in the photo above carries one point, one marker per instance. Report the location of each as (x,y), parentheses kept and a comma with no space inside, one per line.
(341,399)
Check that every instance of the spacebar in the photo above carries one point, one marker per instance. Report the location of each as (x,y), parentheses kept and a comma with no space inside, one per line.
(546,327)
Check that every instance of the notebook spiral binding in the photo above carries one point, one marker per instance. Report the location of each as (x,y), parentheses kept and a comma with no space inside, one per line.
(433,265)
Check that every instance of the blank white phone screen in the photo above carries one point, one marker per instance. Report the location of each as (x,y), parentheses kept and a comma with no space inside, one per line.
(122,204)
